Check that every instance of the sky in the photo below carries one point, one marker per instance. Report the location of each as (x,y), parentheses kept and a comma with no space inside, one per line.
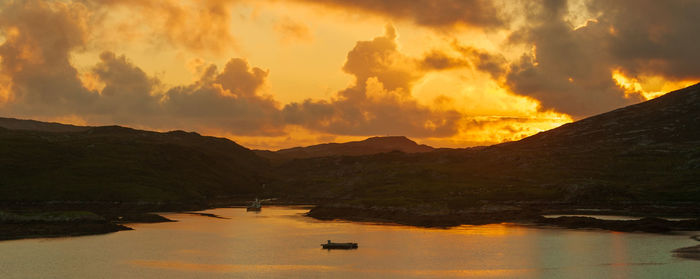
(272,74)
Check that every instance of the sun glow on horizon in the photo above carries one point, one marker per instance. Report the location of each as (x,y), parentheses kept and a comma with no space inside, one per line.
(277,74)
(648,87)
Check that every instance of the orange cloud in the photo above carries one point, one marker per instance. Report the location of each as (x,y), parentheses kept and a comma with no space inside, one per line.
(480,13)
(528,79)
(291,30)
(379,101)
(648,87)
(5,89)
(569,67)
(35,65)
(193,24)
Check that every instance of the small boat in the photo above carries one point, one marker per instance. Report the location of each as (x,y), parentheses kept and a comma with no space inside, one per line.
(255,206)
(336,245)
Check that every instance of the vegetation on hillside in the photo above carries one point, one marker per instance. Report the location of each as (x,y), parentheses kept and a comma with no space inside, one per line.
(121,164)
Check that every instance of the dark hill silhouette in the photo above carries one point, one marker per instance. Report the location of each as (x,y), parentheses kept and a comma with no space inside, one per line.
(373,145)
(644,153)
(33,125)
(55,162)
(671,118)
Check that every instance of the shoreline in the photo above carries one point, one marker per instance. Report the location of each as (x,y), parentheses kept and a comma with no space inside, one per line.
(54,219)
(403,216)
(113,221)
(56,230)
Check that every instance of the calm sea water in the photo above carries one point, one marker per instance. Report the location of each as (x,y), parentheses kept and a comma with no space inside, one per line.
(280,242)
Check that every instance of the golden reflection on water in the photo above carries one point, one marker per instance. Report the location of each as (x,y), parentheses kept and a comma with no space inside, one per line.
(261,231)
(186,266)
(280,242)
(262,268)
(486,230)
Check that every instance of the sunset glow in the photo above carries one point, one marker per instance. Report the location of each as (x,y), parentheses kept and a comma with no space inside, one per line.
(277,74)
(650,87)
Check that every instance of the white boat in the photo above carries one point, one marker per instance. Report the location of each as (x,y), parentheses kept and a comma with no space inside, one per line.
(255,206)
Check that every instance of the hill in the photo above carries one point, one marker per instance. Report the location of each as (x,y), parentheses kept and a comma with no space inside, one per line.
(33,125)
(669,119)
(41,162)
(647,153)
(373,145)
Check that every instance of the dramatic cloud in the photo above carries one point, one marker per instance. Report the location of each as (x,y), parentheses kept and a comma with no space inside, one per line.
(652,37)
(126,95)
(444,13)
(115,90)
(194,24)
(568,69)
(35,57)
(488,70)
(226,100)
(578,69)
(380,100)
(492,63)
(229,101)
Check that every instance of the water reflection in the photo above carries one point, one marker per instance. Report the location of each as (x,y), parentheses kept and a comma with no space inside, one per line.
(260,269)
(280,242)
(185,266)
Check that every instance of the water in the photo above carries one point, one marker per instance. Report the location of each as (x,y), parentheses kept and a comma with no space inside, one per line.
(280,243)
(609,217)
(601,217)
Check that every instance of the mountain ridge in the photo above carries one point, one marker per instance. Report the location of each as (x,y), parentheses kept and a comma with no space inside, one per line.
(647,152)
(114,163)
(681,106)
(632,153)
(372,145)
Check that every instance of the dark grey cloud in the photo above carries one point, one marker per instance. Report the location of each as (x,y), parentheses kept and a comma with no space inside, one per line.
(438,60)
(444,13)
(652,37)
(126,96)
(570,68)
(228,100)
(492,63)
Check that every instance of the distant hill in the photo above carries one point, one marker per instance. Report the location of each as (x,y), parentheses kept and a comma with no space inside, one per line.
(54,162)
(644,153)
(373,145)
(32,125)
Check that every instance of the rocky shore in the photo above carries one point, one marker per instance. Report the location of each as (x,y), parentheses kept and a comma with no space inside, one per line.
(20,221)
(54,224)
(57,221)
(692,252)
(503,214)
